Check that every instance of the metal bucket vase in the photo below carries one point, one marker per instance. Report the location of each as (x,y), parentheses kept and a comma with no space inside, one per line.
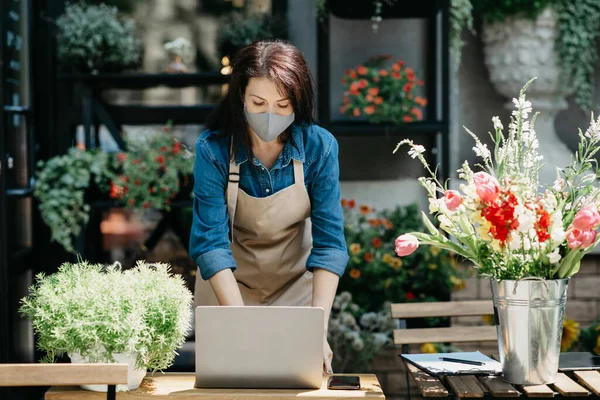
(529,321)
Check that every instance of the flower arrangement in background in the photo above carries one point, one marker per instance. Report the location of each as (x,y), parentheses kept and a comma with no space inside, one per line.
(180,53)
(375,275)
(500,221)
(151,171)
(357,337)
(383,94)
(589,338)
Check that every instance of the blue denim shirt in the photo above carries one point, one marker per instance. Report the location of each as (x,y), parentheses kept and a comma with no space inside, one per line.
(310,144)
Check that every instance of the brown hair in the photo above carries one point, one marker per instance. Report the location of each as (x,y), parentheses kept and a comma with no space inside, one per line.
(277,60)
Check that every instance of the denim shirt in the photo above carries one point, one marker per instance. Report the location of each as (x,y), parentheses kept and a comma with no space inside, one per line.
(312,145)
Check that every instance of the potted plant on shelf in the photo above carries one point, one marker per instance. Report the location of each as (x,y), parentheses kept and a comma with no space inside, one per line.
(150,174)
(383,94)
(96,313)
(180,54)
(92,39)
(528,241)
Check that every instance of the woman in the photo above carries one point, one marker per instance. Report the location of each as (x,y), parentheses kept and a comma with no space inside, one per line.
(267,222)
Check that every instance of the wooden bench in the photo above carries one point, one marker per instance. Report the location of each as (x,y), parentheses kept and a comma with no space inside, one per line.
(453,334)
(64,375)
(181,386)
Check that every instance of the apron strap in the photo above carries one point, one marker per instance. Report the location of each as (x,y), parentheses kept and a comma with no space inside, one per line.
(298,172)
(232,193)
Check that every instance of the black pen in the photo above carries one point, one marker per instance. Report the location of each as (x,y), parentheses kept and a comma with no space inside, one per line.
(456,360)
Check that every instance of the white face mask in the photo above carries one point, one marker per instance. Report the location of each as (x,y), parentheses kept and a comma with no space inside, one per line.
(267,125)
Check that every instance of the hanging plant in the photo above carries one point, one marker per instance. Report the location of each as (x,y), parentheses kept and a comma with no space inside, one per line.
(382,94)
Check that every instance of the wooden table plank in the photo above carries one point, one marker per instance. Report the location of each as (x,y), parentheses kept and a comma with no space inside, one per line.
(465,386)
(34,374)
(591,379)
(536,390)
(498,388)
(180,386)
(452,334)
(429,386)
(568,387)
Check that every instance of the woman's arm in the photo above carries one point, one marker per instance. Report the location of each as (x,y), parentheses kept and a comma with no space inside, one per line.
(324,287)
(209,236)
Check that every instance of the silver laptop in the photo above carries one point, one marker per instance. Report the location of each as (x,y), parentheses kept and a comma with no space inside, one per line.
(259,347)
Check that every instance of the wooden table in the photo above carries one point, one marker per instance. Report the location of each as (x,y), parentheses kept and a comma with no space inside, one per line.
(577,384)
(180,386)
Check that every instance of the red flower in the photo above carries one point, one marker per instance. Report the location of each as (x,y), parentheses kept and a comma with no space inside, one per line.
(344,203)
(410,74)
(369,98)
(383,72)
(351,203)
(396,75)
(502,217)
(146,204)
(135,161)
(176,147)
(400,63)
(396,68)
(137,182)
(417,113)
(374,91)
(165,129)
(407,118)
(409,296)
(374,222)
(542,225)
(363,83)
(160,159)
(352,74)
(369,257)
(122,157)
(114,191)
(420,82)
(163,148)
(164,189)
(378,100)
(354,88)
(369,110)
(376,242)
(356,112)
(131,202)
(376,79)
(152,189)
(407,87)
(361,70)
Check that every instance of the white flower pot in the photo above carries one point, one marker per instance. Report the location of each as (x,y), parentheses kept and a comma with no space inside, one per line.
(516,50)
(134,376)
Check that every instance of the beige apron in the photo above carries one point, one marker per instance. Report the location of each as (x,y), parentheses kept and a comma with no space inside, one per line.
(270,241)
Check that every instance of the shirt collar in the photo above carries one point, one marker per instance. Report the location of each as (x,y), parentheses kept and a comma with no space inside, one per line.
(293,149)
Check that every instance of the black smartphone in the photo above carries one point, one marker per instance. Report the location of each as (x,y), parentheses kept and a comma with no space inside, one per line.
(343,382)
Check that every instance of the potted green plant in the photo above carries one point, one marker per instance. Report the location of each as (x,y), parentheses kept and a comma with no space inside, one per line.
(95,313)
(383,94)
(92,39)
(239,29)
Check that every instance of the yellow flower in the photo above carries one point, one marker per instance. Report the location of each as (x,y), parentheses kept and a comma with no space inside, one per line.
(569,335)
(432,266)
(483,231)
(396,263)
(476,217)
(435,250)
(388,258)
(597,348)
(488,319)
(355,248)
(388,282)
(457,283)
(428,348)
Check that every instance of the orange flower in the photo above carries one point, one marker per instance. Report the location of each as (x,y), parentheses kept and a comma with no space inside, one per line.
(400,63)
(369,257)
(378,100)
(354,273)
(369,110)
(356,112)
(354,88)
(355,248)
(383,72)
(387,224)
(374,91)
(363,83)
(346,100)
(374,222)
(352,74)
(376,79)
(410,74)
(396,68)
(369,98)
(364,209)
(361,70)
(343,109)
(421,101)
(351,203)
(408,118)
(396,75)
(407,87)
(420,82)
(344,203)
(376,242)
(417,113)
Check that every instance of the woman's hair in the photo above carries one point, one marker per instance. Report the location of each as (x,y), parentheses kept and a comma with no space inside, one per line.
(277,60)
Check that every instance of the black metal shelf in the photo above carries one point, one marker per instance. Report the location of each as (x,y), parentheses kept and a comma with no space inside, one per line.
(139,80)
(369,129)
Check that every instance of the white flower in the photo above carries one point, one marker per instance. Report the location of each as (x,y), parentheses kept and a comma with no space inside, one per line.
(558,184)
(358,345)
(416,150)
(554,257)
(593,132)
(497,123)
(525,217)
(434,206)
(380,339)
(515,241)
(482,151)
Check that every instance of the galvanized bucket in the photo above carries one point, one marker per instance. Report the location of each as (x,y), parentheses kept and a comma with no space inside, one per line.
(529,321)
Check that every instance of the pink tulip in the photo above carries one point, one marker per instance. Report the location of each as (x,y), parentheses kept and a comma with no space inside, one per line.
(406,244)
(486,186)
(577,239)
(587,218)
(452,199)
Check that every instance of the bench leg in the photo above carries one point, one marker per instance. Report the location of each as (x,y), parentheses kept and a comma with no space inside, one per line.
(111,393)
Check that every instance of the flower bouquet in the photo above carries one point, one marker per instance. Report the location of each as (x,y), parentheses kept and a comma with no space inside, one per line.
(528,240)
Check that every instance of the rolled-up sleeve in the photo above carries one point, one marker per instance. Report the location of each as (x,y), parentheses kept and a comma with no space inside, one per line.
(209,236)
(329,243)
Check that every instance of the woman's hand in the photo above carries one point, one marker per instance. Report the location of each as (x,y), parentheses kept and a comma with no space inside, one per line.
(226,288)
(327,356)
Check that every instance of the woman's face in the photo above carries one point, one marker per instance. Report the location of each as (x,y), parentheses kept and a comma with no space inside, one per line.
(262,95)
